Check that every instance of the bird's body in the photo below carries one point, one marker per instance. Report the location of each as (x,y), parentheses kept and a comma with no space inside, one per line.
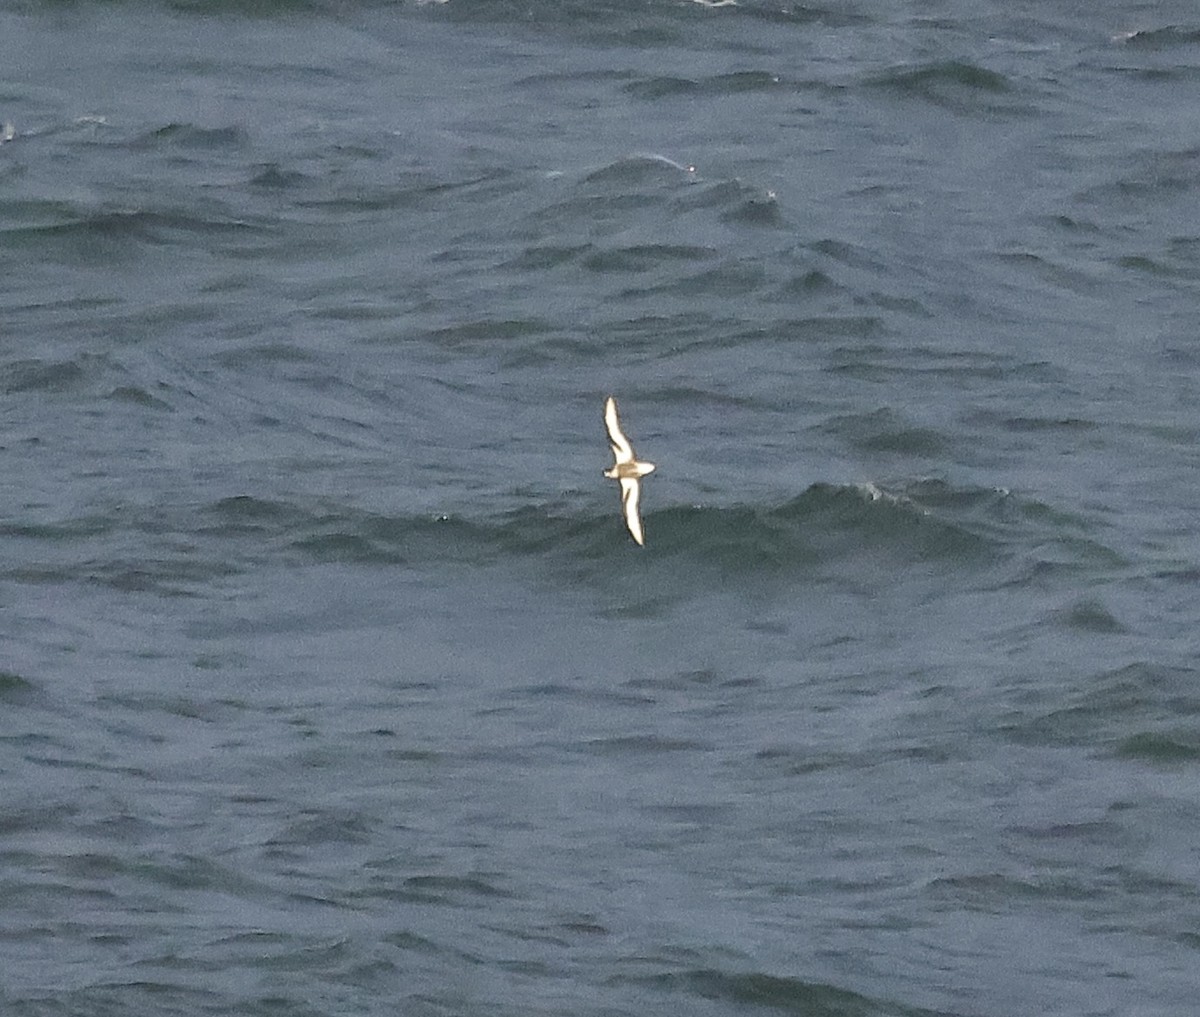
(627,469)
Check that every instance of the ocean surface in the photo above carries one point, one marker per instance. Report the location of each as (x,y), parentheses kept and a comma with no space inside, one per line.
(331,682)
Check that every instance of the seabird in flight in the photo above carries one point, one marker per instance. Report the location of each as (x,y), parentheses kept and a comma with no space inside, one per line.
(627,469)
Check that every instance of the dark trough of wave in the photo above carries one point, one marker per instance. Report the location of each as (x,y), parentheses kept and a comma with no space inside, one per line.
(927,522)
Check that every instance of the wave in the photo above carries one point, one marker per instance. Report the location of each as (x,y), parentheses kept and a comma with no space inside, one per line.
(98,236)
(782,994)
(861,531)
(1131,711)
(1165,37)
(670,86)
(957,85)
(672,199)
(188,135)
(825,522)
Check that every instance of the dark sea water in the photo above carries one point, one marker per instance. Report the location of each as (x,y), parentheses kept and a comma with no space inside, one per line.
(331,682)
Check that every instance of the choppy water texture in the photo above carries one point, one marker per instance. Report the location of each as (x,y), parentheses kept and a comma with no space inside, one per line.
(331,683)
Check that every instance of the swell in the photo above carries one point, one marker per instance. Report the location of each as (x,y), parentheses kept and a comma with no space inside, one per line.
(826,529)
(86,236)
(772,993)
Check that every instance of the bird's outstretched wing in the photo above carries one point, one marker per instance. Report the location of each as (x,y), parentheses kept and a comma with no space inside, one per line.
(631,492)
(620,444)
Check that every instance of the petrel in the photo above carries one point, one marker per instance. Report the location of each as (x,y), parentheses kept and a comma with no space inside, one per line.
(627,470)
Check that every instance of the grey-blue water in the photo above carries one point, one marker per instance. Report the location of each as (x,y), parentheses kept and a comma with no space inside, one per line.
(331,682)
